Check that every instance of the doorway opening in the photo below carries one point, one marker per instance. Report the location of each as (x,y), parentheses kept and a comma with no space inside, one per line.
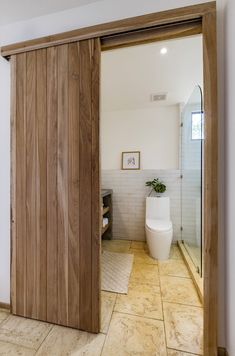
(149,130)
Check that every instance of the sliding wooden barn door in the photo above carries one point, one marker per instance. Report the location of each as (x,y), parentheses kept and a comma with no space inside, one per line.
(55,185)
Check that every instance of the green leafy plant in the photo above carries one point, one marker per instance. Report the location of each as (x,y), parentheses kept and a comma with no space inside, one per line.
(156,185)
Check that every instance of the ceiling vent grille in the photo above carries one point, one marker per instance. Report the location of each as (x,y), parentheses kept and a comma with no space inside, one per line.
(158,97)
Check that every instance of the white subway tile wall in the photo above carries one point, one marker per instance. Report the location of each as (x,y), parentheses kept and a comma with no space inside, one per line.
(191,163)
(129,193)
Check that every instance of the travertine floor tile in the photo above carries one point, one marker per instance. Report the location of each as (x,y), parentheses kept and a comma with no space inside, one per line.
(138,245)
(145,304)
(4,314)
(184,327)
(107,305)
(65,341)
(179,290)
(143,287)
(142,257)
(144,273)
(175,253)
(7,349)
(116,245)
(24,332)
(178,353)
(175,268)
(134,335)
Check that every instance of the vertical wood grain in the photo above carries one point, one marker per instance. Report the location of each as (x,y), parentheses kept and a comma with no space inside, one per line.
(31,248)
(95,184)
(74,257)
(85,198)
(62,185)
(52,197)
(21,243)
(13,185)
(41,183)
(211,185)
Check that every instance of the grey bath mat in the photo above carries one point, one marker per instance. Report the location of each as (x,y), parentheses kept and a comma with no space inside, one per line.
(115,271)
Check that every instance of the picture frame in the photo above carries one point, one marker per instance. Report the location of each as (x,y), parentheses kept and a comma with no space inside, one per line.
(131,160)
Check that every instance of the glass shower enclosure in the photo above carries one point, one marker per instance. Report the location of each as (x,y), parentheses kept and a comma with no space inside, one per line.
(192,156)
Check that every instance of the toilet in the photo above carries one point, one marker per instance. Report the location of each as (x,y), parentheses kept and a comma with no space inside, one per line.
(158,227)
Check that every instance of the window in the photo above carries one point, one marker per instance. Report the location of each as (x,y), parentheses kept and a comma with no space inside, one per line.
(197,126)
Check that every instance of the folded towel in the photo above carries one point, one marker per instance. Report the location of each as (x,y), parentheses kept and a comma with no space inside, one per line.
(105,221)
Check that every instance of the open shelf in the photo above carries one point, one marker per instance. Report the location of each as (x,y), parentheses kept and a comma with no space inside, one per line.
(104,229)
(105,210)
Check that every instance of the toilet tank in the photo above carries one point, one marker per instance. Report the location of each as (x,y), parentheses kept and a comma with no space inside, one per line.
(158,208)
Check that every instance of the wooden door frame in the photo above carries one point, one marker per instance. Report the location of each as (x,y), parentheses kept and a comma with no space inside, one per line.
(205,25)
(205,15)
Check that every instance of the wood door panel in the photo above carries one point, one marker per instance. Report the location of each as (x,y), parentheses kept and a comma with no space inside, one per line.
(41,182)
(19,294)
(85,184)
(31,219)
(56,233)
(73,193)
(96,201)
(52,213)
(62,183)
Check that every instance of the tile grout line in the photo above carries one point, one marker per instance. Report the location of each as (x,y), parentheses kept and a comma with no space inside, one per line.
(186,305)
(44,339)
(162,309)
(101,351)
(4,320)
(106,334)
(174,276)
(19,345)
(190,353)
(139,316)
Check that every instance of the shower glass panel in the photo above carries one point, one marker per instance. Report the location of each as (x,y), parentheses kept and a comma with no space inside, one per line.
(192,138)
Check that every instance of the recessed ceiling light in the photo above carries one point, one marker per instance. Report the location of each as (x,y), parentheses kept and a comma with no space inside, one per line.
(163,50)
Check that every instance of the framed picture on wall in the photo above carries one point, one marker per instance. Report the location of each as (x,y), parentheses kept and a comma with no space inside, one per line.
(131,160)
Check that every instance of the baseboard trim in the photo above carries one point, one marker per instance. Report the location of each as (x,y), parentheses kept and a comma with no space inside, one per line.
(5,305)
(222,351)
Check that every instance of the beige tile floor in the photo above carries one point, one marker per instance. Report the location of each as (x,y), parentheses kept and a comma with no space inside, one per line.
(160,315)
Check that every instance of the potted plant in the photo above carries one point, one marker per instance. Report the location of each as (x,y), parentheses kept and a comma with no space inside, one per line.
(156,185)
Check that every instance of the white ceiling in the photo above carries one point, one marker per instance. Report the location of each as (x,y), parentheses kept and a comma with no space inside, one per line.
(19,10)
(130,75)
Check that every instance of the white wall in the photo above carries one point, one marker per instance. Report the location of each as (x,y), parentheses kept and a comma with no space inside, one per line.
(105,11)
(123,89)
(146,130)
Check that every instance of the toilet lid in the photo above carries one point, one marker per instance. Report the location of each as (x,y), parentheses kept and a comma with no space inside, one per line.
(159,225)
